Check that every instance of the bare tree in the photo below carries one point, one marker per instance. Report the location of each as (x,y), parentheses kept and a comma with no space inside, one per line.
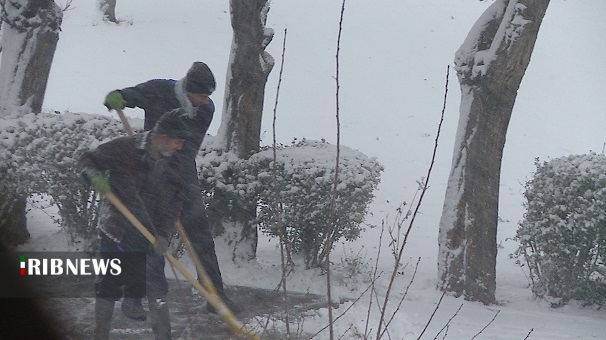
(240,128)
(29,38)
(490,65)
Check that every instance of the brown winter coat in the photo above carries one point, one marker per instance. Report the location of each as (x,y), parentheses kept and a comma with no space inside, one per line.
(125,160)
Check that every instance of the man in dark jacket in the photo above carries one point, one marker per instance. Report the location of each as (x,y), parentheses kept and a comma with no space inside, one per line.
(147,175)
(155,97)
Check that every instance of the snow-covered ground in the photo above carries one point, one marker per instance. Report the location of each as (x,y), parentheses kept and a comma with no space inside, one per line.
(394,55)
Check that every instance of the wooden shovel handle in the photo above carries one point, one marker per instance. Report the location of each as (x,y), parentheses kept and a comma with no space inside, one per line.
(213,299)
(129,130)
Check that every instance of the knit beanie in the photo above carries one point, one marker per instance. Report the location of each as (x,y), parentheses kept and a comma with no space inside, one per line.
(172,124)
(200,79)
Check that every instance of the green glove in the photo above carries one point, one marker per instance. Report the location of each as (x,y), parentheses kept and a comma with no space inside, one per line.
(101,184)
(114,101)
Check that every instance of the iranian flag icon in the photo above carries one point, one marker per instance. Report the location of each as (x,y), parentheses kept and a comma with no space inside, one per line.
(22,271)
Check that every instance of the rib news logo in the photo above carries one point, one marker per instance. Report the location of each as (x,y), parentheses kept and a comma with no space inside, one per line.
(67,266)
(32,274)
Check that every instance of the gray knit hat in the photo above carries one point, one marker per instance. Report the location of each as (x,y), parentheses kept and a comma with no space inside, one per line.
(172,124)
(200,79)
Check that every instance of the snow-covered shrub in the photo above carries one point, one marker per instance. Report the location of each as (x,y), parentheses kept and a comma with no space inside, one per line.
(224,179)
(563,234)
(305,177)
(39,155)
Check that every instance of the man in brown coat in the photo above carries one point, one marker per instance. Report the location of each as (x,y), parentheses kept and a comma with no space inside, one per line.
(147,175)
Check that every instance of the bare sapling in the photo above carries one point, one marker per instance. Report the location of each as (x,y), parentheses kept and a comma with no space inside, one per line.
(284,252)
(332,220)
(424,188)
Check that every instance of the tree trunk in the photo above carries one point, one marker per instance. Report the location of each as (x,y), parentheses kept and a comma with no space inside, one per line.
(240,128)
(1,36)
(30,35)
(247,74)
(29,38)
(13,223)
(108,10)
(490,65)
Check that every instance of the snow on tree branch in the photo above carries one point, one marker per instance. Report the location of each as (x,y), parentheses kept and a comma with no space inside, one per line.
(23,16)
(481,46)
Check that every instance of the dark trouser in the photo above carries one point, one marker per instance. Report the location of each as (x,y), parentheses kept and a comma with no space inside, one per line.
(139,263)
(195,223)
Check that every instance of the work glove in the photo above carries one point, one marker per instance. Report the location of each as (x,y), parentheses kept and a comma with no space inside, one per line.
(101,184)
(161,245)
(87,174)
(114,101)
(96,179)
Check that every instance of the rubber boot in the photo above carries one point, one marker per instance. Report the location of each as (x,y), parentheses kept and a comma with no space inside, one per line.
(160,318)
(132,308)
(104,309)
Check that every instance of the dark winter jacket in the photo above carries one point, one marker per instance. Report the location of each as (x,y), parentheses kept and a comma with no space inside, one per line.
(159,96)
(152,190)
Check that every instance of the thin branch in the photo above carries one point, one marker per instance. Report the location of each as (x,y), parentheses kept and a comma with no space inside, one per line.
(347,309)
(414,274)
(528,335)
(416,211)
(448,323)
(347,330)
(278,202)
(332,212)
(446,332)
(489,323)
(374,277)
(432,315)
(67,6)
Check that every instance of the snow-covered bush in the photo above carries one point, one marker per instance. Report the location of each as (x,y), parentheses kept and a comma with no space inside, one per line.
(563,234)
(39,154)
(305,177)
